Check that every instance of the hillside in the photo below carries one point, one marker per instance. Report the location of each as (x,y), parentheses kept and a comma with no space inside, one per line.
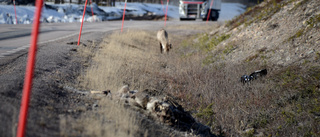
(194,90)
(202,73)
(281,36)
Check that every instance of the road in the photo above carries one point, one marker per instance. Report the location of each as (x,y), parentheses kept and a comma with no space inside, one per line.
(14,38)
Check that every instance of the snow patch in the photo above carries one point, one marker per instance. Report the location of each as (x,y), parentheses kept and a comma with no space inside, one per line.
(52,13)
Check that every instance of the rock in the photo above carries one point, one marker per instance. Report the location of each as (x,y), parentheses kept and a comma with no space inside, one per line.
(248,132)
(124,89)
(260,134)
(288,58)
(301,55)
(311,51)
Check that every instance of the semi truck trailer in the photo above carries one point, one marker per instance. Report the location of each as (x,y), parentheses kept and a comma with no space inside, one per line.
(199,9)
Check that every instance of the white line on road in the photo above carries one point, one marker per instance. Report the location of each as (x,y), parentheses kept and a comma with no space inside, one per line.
(10,52)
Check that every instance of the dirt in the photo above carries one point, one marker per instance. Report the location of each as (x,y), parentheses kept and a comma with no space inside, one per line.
(56,65)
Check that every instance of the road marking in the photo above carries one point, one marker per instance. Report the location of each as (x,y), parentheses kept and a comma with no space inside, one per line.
(10,52)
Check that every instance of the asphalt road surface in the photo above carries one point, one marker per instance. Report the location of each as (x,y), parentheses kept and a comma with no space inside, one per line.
(14,38)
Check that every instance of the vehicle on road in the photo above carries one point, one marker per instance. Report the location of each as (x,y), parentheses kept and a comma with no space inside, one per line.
(199,9)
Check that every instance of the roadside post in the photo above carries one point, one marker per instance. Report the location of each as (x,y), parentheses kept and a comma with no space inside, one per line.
(15,12)
(209,11)
(124,13)
(164,12)
(29,73)
(165,18)
(92,10)
(84,12)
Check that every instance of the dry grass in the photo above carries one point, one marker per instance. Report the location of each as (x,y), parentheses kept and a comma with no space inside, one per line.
(129,58)
(107,119)
(282,103)
(213,93)
(119,57)
(216,96)
(205,28)
(110,70)
(110,119)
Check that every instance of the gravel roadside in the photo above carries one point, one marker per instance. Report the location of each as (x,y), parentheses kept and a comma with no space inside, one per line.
(56,65)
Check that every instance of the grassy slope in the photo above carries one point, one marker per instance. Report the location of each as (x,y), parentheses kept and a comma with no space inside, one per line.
(202,72)
(280,35)
(129,58)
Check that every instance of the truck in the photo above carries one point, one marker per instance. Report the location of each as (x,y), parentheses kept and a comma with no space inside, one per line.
(199,9)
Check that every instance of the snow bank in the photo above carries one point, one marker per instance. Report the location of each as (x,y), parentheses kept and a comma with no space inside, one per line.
(139,9)
(73,13)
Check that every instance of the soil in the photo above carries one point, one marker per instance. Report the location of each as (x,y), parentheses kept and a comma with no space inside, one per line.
(56,65)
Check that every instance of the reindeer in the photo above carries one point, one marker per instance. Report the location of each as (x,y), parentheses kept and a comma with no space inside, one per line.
(162,36)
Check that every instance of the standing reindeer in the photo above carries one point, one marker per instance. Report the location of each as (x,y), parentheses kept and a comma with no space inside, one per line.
(162,36)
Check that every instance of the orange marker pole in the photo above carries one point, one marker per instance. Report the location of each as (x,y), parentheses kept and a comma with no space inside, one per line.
(165,18)
(124,13)
(15,13)
(209,12)
(29,73)
(84,12)
(92,10)
(162,7)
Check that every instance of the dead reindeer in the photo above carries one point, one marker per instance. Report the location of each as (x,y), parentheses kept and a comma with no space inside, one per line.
(162,37)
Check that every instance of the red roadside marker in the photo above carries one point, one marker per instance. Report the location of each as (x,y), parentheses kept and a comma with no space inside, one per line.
(162,7)
(191,2)
(165,18)
(15,13)
(29,73)
(92,10)
(84,12)
(209,11)
(124,13)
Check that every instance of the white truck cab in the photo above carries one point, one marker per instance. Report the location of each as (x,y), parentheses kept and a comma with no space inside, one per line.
(199,9)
